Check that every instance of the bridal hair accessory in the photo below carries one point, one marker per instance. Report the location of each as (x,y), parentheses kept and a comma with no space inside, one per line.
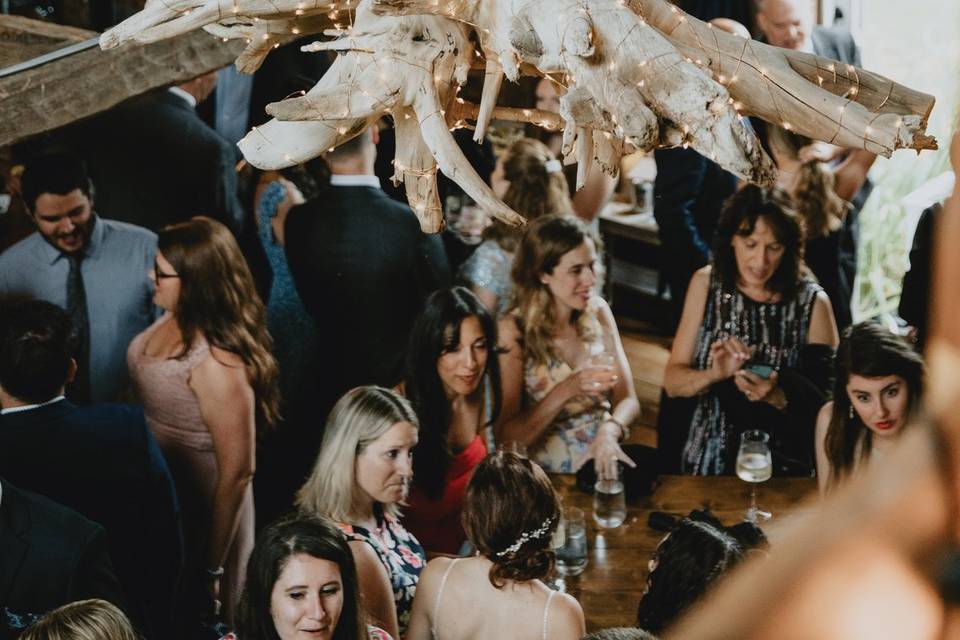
(553,166)
(526,536)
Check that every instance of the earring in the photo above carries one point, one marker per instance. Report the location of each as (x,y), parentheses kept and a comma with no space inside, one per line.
(850,411)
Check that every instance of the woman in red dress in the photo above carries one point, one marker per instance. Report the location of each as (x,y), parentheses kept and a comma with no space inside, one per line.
(452,352)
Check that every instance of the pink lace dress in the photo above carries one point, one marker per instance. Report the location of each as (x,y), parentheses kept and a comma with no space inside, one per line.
(173,415)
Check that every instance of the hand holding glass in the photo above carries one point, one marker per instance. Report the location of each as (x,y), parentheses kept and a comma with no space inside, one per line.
(755,465)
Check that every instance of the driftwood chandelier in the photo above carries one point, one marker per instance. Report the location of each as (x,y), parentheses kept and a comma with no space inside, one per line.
(633,74)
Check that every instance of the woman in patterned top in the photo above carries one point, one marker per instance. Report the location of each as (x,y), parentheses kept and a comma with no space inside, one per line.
(754,343)
(360,478)
(302,582)
(567,387)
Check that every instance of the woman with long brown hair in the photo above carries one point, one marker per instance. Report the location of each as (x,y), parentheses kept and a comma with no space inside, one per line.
(530,181)
(828,242)
(568,392)
(207,380)
(879,381)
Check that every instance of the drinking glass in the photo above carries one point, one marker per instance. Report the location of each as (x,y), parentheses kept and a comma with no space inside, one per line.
(570,542)
(609,503)
(754,465)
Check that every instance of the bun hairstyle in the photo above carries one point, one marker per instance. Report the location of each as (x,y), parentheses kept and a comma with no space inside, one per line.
(509,514)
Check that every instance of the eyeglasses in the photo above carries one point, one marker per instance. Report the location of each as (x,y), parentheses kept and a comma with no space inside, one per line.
(160,275)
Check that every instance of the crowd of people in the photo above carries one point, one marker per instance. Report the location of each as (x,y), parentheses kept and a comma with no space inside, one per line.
(200,437)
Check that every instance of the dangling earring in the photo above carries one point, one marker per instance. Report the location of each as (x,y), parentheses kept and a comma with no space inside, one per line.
(850,411)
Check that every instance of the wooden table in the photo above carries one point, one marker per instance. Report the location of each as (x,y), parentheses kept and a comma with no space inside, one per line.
(616,574)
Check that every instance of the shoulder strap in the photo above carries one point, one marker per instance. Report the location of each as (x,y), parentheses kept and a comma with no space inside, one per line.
(436,604)
(546,612)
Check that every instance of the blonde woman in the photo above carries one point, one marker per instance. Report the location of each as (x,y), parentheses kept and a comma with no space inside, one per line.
(360,479)
(206,377)
(82,620)
(530,180)
(560,398)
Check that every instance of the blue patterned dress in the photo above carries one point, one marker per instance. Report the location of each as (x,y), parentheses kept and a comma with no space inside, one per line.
(293,330)
(778,333)
(401,555)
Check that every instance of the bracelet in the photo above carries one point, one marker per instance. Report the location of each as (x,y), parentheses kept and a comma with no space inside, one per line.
(624,430)
(214,573)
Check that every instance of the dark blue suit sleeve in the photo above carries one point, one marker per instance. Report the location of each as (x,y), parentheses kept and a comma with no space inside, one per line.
(94,576)
(679,181)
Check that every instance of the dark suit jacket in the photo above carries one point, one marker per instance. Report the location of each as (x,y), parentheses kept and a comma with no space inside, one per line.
(363,269)
(688,195)
(154,162)
(102,462)
(49,556)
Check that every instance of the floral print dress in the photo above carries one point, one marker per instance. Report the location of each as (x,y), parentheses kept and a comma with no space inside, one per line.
(565,445)
(401,555)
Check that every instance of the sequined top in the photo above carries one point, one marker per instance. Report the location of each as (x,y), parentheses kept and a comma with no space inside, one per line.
(489,267)
(777,331)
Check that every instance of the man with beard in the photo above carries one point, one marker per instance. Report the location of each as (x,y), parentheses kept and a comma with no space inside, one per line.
(96,269)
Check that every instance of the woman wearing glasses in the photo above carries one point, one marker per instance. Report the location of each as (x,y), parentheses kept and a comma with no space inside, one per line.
(206,378)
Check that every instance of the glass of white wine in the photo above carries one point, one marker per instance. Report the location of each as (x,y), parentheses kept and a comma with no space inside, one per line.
(755,465)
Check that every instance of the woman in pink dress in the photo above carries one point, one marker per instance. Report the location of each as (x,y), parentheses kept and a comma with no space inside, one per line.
(206,378)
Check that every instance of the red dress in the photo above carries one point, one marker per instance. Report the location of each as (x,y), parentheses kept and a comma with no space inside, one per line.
(436,523)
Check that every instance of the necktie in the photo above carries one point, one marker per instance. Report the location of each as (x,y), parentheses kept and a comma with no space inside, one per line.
(79,390)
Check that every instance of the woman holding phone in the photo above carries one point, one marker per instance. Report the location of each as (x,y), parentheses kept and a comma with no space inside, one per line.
(754,345)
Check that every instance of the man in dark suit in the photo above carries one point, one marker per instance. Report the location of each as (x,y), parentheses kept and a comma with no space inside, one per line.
(49,556)
(363,268)
(98,460)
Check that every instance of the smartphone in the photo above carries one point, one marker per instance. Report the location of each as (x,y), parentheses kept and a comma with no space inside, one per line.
(760,370)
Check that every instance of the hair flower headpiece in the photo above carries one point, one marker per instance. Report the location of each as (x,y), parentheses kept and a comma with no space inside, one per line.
(553,166)
(526,536)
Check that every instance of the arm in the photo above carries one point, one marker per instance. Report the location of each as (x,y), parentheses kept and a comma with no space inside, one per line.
(823,328)
(851,174)
(375,588)
(625,404)
(227,407)
(680,379)
(94,576)
(527,425)
(425,600)
(565,618)
(820,445)
(596,192)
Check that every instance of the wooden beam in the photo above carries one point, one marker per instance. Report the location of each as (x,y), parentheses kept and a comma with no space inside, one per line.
(22,38)
(84,84)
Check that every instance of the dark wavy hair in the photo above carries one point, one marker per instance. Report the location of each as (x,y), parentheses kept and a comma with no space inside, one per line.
(436,331)
(508,496)
(302,534)
(688,560)
(219,300)
(739,218)
(866,349)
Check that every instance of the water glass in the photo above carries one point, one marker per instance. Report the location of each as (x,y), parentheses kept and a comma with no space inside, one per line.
(754,465)
(570,542)
(609,502)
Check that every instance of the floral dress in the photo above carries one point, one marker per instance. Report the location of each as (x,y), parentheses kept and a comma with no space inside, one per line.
(401,555)
(565,445)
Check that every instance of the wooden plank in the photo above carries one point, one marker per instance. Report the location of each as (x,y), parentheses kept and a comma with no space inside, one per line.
(82,85)
(22,38)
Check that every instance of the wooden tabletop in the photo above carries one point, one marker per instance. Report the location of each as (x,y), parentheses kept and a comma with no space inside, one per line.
(611,585)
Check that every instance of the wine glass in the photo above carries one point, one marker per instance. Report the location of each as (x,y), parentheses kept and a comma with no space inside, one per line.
(755,465)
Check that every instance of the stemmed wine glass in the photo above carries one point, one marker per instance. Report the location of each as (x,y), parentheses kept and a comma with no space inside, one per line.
(755,465)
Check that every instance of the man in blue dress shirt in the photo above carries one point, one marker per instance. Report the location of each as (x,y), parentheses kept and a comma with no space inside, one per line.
(95,269)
